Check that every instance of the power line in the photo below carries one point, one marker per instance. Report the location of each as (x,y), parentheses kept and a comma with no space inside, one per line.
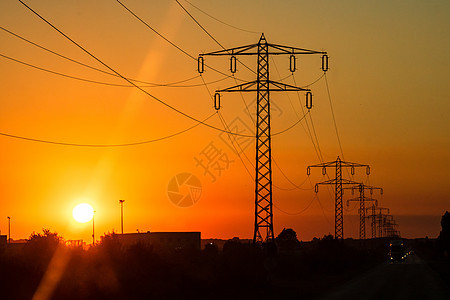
(147,84)
(316,148)
(104,145)
(232,143)
(296,186)
(121,76)
(242,151)
(292,126)
(316,143)
(109,83)
(238,152)
(334,119)
(296,213)
(295,111)
(214,18)
(323,211)
(200,25)
(54,52)
(61,74)
(163,37)
(335,125)
(210,35)
(150,84)
(315,137)
(154,30)
(226,127)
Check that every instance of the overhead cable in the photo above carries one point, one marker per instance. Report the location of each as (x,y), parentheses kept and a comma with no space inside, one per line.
(91,67)
(174,85)
(104,145)
(214,18)
(124,78)
(163,37)
(210,35)
(334,118)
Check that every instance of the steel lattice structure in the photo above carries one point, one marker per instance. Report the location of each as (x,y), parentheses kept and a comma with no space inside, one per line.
(377,219)
(338,182)
(263,230)
(362,199)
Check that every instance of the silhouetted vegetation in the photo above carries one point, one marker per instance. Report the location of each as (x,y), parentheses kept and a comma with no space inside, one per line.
(241,270)
(443,241)
(287,240)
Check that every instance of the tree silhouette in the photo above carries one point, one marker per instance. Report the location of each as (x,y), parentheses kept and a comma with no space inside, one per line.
(40,248)
(287,240)
(443,241)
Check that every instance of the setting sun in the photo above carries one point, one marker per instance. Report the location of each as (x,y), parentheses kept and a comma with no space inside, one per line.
(83,213)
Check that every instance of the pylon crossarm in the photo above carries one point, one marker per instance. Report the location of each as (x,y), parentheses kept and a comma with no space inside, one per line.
(350,164)
(330,181)
(334,181)
(365,199)
(346,181)
(243,50)
(292,50)
(234,51)
(244,87)
(371,199)
(273,87)
(353,199)
(325,164)
(346,164)
(364,187)
(285,87)
(354,187)
(380,209)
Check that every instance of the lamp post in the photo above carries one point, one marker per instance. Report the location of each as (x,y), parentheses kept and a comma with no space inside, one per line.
(93,228)
(9,230)
(121,214)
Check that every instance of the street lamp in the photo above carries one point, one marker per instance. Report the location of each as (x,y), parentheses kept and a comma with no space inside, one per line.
(9,230)
(121,214)
(93,229)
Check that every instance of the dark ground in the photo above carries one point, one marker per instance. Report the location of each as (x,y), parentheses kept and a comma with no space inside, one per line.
(322,269)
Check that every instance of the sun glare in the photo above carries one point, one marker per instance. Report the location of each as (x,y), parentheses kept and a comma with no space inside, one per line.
(83,213)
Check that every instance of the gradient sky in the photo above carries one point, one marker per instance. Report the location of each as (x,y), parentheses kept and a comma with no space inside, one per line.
(388,81)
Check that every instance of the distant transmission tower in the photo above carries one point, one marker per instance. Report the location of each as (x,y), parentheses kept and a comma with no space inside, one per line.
(362,199)
(262,86)
(338,181)
(377,216)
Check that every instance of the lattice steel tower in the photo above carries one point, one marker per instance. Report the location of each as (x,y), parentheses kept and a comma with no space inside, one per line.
(362,199)
(338,181)
(376,216)
(263,231)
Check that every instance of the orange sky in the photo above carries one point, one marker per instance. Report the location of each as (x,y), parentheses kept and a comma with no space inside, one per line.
(388,81)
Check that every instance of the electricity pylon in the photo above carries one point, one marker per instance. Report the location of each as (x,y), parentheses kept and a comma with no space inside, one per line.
(362,199)
(338,181)
(376,216)
(389,227)
(263,231)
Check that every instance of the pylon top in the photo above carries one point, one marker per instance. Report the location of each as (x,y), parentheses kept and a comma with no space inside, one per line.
(262,38)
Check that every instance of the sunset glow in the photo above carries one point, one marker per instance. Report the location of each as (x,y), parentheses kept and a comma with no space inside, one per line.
(78,129)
